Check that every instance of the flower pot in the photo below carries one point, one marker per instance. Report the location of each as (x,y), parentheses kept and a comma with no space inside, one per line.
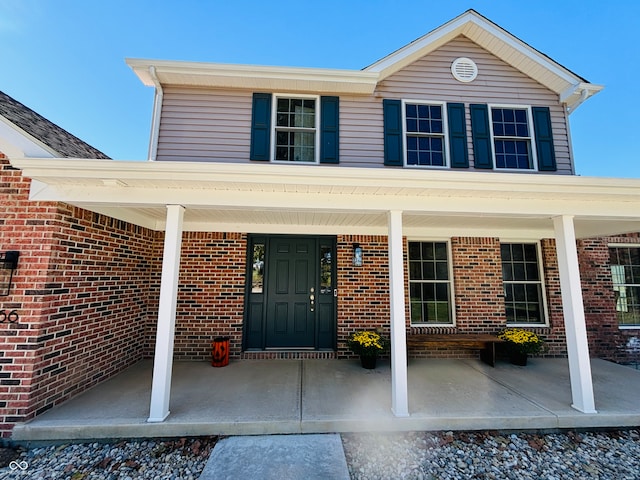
(518,358)
(368,361)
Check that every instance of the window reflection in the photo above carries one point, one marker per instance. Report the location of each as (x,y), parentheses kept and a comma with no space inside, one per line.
(326,269)
(257,278)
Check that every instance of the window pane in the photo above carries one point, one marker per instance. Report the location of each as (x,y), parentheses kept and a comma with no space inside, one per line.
(415,270)
(257,262)
(326,269)
(429,287)
(522,283)
(625,276)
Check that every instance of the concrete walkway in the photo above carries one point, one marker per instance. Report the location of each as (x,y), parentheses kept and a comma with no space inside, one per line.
(278,457)
(254,397)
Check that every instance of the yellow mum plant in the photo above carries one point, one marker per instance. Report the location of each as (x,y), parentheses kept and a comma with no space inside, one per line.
(368,343)
(523,341)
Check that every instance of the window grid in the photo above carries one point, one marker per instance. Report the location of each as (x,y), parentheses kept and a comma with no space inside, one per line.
(625,275)
(429,283)
(522,283)
(512,138)
(424,126)
(295,130)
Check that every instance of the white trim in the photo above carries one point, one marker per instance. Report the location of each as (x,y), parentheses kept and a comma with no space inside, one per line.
(274,116)
(445,133)
(452,290)
(619,245)
(543,284)
(15,142)
(532,138)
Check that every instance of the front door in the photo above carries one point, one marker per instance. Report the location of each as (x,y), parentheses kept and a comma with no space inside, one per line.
(290,297)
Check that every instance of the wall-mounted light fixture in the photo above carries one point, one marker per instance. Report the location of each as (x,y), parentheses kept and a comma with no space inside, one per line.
(8,263)
(357,255)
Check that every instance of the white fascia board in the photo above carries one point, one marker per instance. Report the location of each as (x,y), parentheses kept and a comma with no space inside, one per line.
(15,142)
(244,76)
(179,175)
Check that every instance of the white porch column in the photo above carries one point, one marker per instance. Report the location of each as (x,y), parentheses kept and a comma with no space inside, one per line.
(574,321)
(163,358)
(399,388)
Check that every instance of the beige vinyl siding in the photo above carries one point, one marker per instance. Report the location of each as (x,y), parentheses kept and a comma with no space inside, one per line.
(205,125)
(215,125)
(430,79)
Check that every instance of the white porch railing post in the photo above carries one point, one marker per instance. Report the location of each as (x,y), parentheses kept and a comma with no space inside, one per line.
(574,320)
(163,358)
(399,384)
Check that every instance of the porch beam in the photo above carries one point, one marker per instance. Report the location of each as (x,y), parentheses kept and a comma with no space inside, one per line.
(399,385)
(163,358)
(574,319)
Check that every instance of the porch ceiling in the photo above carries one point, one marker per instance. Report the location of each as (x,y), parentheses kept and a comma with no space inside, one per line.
(332,200)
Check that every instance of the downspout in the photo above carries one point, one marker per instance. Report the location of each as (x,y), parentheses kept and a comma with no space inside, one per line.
(157,112)
(583,96)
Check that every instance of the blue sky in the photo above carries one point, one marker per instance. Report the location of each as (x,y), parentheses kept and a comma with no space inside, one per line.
(65,59)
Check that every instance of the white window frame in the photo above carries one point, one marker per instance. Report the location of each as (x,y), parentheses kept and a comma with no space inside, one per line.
(445,133)
(623,245)
(532,137)
(452,291)
(543,284)
(274,127)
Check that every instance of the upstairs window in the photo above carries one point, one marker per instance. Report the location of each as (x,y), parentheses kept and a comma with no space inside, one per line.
(425,135)
(295,129)
(512,138)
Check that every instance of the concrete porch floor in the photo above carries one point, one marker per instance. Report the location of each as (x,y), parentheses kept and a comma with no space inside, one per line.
(250,397)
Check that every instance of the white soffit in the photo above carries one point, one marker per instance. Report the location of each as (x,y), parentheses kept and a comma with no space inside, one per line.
(253,77)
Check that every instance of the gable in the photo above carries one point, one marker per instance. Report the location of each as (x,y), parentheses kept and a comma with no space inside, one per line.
(430,77)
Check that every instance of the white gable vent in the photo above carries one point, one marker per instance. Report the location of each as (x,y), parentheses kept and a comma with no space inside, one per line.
(464,69)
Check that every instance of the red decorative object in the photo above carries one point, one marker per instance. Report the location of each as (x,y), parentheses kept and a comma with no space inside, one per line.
(220,352)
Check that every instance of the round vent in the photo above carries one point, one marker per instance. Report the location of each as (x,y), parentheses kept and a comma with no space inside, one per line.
(464,69)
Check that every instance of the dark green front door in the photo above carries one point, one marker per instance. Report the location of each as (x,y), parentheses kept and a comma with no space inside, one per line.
(290,298)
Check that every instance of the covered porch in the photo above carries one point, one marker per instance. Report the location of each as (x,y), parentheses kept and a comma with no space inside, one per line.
(319,396)
(178,197)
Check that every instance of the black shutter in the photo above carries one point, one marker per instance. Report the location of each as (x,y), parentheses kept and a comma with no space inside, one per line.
(457,135)
(481,136)
(261,127)
(392,110)
(329,130)
(544,139)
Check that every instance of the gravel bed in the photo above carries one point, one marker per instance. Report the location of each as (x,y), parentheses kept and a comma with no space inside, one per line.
(181,459)
(611,455)
(490,455)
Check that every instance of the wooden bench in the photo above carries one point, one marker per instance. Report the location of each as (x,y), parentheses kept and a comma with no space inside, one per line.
(478,341)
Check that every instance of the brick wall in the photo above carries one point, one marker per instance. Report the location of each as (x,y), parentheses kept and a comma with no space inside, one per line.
(210,294)
(606,340)
(81,292)
(363,292)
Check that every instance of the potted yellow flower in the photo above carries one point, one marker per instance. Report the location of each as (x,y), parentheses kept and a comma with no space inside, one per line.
(368,344)
(521,343)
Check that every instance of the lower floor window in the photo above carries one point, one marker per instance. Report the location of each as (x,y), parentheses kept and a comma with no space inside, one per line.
(429,283)
(522,283)
(625,274)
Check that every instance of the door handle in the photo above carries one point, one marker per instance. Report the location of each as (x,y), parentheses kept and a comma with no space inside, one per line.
(312,301)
